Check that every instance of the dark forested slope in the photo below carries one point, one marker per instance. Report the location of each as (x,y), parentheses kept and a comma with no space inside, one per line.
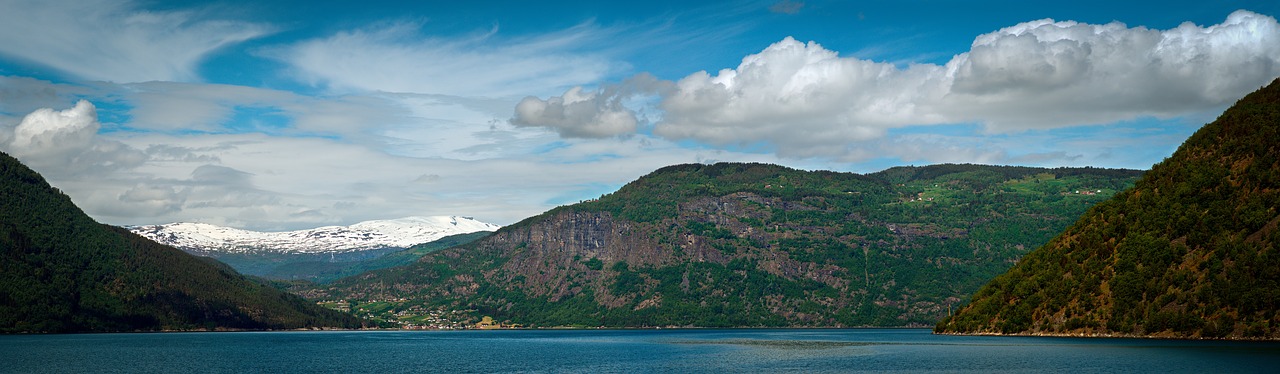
(62,272)
(748,245)
(1192,250)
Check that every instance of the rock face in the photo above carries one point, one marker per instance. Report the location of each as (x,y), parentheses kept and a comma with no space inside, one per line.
(751,245)
(1191,251)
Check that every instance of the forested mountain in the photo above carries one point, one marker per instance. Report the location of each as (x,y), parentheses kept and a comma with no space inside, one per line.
(1192,250)
(747,245)
(62,272)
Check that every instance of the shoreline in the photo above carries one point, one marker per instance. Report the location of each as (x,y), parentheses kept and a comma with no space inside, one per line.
(1110,336)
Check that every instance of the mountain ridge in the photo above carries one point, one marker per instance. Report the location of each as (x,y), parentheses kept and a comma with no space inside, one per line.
(201,238)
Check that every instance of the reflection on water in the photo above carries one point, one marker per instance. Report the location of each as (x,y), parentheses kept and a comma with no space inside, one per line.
(781,344)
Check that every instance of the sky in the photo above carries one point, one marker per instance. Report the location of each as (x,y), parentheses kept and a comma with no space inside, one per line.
(284,115)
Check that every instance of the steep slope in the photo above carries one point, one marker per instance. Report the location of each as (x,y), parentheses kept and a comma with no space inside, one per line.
(62,272)
(1192,250)
(747,245)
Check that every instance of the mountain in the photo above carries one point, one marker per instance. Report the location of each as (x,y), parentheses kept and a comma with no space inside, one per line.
(400,233)
(745,245)
(320,254)
(321,268)
(62,272)
(1191,251)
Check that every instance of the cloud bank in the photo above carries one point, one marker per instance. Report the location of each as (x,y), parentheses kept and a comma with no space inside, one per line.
(803,100)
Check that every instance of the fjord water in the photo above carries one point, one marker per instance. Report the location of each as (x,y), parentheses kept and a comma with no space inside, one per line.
(605,351)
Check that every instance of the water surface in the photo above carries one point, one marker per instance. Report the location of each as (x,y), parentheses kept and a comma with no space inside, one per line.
(617,351)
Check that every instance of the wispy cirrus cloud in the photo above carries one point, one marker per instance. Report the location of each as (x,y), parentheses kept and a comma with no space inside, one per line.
(397,57)
(116,40)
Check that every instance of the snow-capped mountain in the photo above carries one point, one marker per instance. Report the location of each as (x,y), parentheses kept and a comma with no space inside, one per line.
(368,235)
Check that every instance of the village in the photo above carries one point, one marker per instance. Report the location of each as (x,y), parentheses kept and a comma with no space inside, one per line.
(394,313)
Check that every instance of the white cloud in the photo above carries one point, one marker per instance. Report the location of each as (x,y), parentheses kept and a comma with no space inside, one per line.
(577,114)
(49,131)
(801,100)
(60,143)
(1046,74)
(397,58)
(112,40)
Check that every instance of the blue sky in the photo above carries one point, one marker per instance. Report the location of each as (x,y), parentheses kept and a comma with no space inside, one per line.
(288,114)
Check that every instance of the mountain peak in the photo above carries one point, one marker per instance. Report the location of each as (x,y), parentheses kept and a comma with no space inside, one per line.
(367,235)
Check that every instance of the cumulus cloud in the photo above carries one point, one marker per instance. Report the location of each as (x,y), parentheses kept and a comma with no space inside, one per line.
(64,143)
(49,131)
(588,114)
(803,100)
(1045,74)
(577,114)
(395,57)
(112,40)
(801,97)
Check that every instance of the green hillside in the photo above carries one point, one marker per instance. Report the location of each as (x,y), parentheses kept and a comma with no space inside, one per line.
(746,245)
(62,272)
(1192,250)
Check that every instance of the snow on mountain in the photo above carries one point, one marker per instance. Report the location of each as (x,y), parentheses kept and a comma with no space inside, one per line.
(394,233)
